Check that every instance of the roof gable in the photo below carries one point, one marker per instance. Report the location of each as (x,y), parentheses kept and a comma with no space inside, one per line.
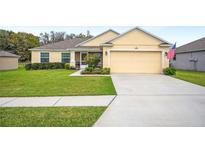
(99,39)
(8,54)
(196,45)
(137,36)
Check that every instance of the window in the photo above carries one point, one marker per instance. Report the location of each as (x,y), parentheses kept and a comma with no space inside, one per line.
(44,57)
(65,57)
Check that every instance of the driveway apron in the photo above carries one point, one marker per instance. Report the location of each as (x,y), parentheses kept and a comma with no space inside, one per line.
(154,100)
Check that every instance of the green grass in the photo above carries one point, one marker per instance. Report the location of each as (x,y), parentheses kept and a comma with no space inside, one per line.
(52,83)
(191,76)
(49,116)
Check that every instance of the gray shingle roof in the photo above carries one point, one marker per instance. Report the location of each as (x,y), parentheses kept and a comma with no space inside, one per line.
(62,45)
(86,48)
(197,45)
(7,54)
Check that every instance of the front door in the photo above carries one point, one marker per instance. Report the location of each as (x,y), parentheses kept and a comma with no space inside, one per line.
(83,63)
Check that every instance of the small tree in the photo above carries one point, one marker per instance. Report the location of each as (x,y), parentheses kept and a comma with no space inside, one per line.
(93,60)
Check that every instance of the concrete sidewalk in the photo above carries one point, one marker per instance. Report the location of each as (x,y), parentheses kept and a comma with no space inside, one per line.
(56,101)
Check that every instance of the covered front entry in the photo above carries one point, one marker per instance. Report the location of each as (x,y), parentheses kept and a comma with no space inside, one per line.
(135,62)
(81,59)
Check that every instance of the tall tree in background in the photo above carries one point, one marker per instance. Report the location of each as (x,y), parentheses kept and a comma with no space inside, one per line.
(88,34)
(7,40)
(59,36)
(53,37)
(44,38)
(18,43)
(25,41)
(70,36)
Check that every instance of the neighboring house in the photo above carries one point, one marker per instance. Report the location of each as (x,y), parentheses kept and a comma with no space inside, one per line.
(8,61)
(191,56)
(135,51)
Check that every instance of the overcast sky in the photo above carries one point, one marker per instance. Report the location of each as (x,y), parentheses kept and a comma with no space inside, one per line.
(179,34)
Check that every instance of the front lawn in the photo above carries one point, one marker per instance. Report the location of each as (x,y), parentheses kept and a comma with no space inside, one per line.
(191,76)
(52,83)
(49,116)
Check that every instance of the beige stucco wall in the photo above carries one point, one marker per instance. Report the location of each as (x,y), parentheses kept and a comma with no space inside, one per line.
(136,37)
(8,63)
(35,56)
(54,56)
(101,39)
(136,41)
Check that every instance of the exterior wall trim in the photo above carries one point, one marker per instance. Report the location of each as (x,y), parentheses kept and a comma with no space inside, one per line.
(47,50)
(67,50)
(190,51)
(135,50)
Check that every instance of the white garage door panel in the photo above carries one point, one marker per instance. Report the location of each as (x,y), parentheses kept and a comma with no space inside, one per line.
(135,62)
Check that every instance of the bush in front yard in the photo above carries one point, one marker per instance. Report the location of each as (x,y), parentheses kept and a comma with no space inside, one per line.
(28,66)
(105,70)
(91,70)
(43,66)
(169,71)
(93,60)
(67,66)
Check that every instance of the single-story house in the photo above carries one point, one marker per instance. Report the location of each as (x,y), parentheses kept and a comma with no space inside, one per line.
(135,51)
(191,56)
(8,61)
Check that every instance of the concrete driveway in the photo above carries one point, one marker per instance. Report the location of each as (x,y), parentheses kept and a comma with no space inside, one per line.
(154,100)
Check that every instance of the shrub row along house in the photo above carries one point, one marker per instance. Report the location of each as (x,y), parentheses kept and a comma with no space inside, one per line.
(135,51)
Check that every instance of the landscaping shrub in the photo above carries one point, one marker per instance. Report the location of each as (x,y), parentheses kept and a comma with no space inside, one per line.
(169,71)
(105,70)
(28,66)
(91,70)
(93,60)
(43,66)
(67,66)
(97,70)
(35,66)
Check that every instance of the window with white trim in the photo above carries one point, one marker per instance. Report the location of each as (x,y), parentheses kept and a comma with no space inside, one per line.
(44,57)
(65,57)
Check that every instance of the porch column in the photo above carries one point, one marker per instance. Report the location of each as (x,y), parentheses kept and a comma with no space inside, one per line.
(72,58)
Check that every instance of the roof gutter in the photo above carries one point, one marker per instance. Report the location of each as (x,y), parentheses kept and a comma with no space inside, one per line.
(69,49)
(135,50)
(47,49)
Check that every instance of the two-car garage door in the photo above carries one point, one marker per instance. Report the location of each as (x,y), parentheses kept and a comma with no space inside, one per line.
(135,62)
